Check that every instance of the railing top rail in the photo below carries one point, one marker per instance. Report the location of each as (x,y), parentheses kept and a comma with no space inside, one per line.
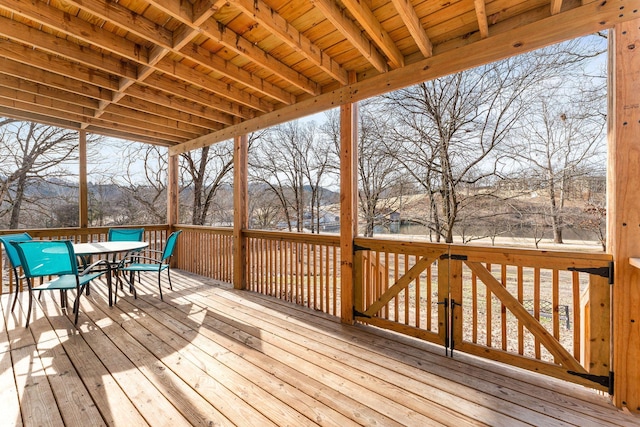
(496,255)
(320,239)
(205,229)
(77,231)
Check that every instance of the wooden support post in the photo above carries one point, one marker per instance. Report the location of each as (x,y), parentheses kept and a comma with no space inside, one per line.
(348,204)
(240,210)
(623,215)
(172,191)
(83,201)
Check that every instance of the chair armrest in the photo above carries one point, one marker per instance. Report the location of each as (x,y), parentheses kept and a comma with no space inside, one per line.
(128,258)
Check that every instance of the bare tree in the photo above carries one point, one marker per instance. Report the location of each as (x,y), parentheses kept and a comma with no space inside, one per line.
(562,141)
(206,171)
(454,130)
(34,154)
(144,181)
(290,161)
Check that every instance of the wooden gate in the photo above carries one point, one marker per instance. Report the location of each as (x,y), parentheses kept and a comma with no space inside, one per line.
(544,311)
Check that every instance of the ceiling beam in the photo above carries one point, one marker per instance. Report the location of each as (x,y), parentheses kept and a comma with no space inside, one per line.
(481,16)
(372,26)
(352,33)
(577,22)
(240,45)
(235,42)
(410,18)
(37,66)
(270,19)
(76,27)
(556,6)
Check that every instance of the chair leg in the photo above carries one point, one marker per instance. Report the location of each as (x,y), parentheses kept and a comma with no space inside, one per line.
(76,305)
(15,293)
(169,276)
(29,309)
(159,285)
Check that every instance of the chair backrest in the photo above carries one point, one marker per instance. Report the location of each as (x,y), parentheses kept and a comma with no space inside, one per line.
(171,244)
(125,234)
(46,257)
(11,252)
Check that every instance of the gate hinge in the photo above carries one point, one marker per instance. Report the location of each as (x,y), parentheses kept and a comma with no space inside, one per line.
(454,257)
(598,271)
(603,380)
(356,313)
(360,248)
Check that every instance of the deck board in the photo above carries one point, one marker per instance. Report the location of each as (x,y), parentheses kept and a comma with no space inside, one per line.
(211,355)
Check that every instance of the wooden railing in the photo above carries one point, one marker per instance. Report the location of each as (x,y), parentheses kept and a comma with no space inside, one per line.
(156,235)
(206,251)
(298,267)
(505,304)
(541,310)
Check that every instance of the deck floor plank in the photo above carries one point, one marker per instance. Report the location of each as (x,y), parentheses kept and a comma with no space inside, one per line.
(279,410)
(273,375)
(9,402)
(448,378)
(211,355)
(352,376)
(37,401)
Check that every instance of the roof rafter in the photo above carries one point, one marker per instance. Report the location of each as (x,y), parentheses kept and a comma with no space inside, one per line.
(352,33)
(73,26)
(271,20)
(238,44)
(481,15)
(410,18)
(372,26)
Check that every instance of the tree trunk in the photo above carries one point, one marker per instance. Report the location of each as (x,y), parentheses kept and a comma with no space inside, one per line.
(15,211)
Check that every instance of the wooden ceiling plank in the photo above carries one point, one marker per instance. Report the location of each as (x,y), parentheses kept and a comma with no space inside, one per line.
(48,64)
(49,16)
(80,119)
(28,74)
(352,33)
(168,112)
(204,24)
(92,59)
(244,47)
(126,19)
(60,47)
(577,22)
(180,10)
(207,59)
(410,18)
(556,6)
(125,136)
(23,85)
(39,118)
(129,118)
(207,82)
(271,20)
(481,14)
(374,29)
(81,29)
(159,96)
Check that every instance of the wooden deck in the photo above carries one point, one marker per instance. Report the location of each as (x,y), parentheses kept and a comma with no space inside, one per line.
(210,355)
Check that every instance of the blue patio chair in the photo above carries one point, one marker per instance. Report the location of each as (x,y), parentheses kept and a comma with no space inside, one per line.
(141,264)
(44,258)
(124,235)
(14,258)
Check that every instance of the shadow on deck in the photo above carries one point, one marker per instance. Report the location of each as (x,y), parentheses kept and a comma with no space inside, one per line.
(210,355)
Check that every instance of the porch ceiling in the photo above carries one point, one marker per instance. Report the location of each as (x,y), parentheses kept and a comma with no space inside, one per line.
(191,73)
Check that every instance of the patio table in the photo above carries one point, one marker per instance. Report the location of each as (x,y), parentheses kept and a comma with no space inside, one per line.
(87,250)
